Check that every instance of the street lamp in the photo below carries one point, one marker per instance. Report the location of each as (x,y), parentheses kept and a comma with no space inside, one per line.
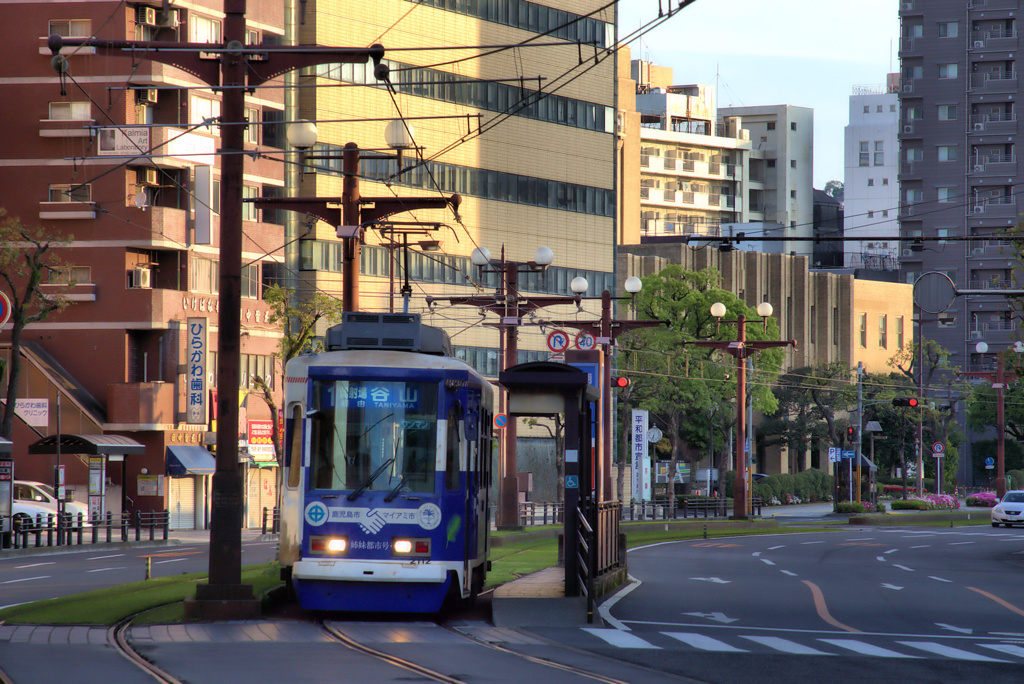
(742,349)
(999,380)
(302,134)
(399,135)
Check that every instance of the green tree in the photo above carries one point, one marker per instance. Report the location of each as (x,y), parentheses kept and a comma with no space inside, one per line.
(835,190)
(679,382)
(298,321)
(809,400)
(26,256)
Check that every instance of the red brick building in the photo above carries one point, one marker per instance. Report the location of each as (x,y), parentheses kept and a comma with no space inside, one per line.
(115,153)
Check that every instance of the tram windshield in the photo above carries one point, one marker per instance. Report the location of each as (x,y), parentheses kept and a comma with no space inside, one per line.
(373,435)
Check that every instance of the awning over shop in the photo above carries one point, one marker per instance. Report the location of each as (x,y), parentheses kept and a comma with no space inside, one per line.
(187,459)
(87,444)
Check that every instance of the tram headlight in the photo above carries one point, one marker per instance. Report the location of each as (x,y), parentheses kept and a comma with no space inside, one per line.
(410,547)
(328,546)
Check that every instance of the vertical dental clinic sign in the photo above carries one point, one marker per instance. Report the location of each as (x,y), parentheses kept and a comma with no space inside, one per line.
(196,360)
(641,464)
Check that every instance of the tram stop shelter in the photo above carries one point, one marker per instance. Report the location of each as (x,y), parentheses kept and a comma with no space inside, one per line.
(99,447)
(544,388)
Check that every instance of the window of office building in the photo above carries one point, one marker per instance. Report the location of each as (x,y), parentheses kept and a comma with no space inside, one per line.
(63,192)
(899,332)
(864,330)
(70,28)
(879,153)
(863,157)
(883,331)
(70,111)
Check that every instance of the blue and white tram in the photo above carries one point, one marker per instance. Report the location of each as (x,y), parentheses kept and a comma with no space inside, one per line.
(388,458)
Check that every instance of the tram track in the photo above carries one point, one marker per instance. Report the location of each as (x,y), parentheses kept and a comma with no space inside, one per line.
(117,636)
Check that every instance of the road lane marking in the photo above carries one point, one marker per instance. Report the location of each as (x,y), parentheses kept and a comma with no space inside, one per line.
(716,580)
(938,579)
(880,558)
(813,542)
(168,554)
(921,546)
(766,561)
(959,543)
(866,649)
(112,555)
(949,651)
(951,628)
(892,551)
(861,539)
(780,546)
(891,586)
(998,600)
(704,643)
(605,609)
(819,605)
(620,639)
(756,554)
(903,567)
(104,569)
(33,565)
(787,572)
(784,645)
(26,579)
(170,560)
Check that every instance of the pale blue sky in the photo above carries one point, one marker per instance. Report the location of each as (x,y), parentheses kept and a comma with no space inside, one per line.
(807,53)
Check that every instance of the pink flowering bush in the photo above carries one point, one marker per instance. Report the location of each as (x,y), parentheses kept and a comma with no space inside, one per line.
(988,499)
(943,501)
(929,502)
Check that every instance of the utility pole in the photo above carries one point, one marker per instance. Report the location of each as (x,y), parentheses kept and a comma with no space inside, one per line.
(238,68)
(860,421)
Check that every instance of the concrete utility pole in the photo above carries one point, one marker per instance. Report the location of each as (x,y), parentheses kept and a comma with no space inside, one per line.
(239,67)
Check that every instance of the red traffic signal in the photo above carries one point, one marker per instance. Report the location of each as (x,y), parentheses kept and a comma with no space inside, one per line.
(904,401)
(620,382)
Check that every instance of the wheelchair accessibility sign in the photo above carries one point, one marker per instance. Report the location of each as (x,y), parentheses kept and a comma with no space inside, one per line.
(572,482)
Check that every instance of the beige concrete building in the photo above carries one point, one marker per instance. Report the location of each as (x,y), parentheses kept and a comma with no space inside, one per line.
(533,158)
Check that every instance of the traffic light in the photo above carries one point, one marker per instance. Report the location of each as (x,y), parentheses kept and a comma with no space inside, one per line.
(620,382)
(904,401)
(851,434)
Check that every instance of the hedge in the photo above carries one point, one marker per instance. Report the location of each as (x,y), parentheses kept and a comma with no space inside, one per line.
(809,485)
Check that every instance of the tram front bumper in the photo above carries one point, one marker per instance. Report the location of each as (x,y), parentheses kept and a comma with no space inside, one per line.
(346,570)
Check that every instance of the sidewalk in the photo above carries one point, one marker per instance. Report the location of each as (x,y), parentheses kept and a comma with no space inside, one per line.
(539,600)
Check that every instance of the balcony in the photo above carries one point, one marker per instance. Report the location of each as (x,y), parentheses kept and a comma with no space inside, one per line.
(141,405)
(65,128)
(993,207)
(994,82)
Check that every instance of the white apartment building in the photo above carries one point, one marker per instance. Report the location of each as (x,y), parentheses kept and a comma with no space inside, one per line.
(782,138)
(871,191)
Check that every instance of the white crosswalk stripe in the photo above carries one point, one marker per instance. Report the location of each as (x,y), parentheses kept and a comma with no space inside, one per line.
(865,648)
(617,637)
(704,643)
(785,645)
(949,651)
(1008,649)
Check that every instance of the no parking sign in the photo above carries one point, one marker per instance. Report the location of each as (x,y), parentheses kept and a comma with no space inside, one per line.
(5,309)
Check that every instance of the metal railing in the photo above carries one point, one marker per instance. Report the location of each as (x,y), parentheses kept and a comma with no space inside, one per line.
(608,536)
(539,513)
(273,516)
(586,560)
(72,530)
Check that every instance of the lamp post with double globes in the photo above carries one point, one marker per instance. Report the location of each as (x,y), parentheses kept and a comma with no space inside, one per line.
(741,349)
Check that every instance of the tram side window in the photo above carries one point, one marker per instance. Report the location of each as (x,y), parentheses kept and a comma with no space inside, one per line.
(451,467)
(295,449)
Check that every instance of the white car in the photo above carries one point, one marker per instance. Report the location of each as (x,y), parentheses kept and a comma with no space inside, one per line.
(1010,510)
(26,491)
(26,511)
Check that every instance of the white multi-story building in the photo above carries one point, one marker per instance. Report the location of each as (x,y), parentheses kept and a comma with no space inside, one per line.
(783,136)
(871,193)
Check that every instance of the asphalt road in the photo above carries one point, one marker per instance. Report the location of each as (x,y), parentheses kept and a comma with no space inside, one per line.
(913,604)
(71,570)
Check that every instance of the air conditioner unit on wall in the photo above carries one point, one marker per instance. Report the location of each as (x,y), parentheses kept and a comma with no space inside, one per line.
(146,95)
(908,253)
(908,129)
(978,168)
(975,334)
(169,19)
(141,278)
(147,176)
(979,208)
(979,43)
(979,126)
(146,16)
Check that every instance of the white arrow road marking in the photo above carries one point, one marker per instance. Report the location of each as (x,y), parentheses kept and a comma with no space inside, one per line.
(951,628)
(891,586)
(717,617)
(938,579)
(766,561)
(903,567)
(711,579)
